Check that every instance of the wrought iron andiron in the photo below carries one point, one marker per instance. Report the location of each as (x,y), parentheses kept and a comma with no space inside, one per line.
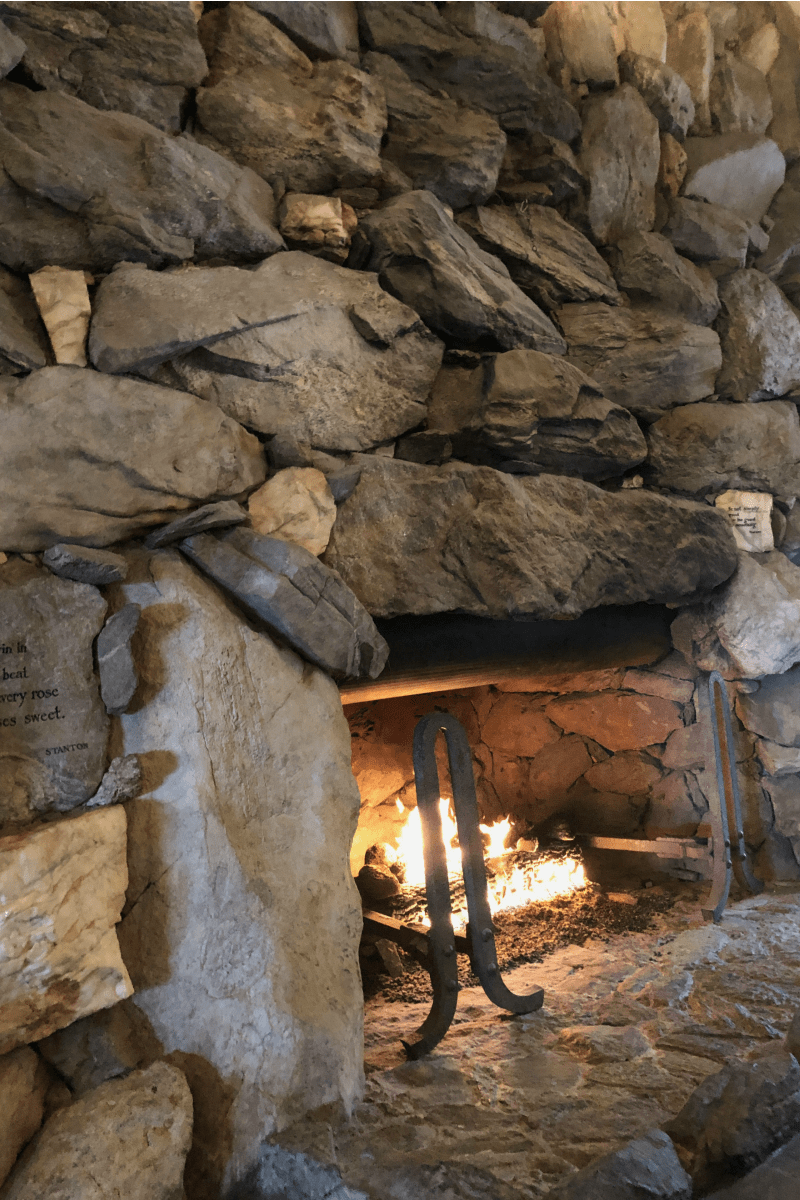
(442,953)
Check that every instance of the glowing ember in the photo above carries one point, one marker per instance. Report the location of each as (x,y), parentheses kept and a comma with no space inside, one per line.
(521,883)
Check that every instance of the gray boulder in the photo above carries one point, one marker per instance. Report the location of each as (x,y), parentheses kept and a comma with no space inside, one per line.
(760,336)
(85,565)
(296,596)
(419,539)
(508,80)
(752,626)
(644,359)
(12,49)
(89,458)
(739,97)
(138,59)
(533,412)
(649,269)
(118,677)
(24,344)
(74,192)
(663,90)
(620,157)
(773,709)
(452,150)
(462,293)
(299,347)
(648,1166)
(743,171)
(319,28)
(128,1136)
(710,447)
(310,127)
(707,233)
(781,261)
(546,257)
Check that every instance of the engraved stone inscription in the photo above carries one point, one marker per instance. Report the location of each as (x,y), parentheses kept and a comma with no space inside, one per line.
(53,726)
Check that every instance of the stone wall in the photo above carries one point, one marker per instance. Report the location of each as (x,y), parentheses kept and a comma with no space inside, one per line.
(314,313)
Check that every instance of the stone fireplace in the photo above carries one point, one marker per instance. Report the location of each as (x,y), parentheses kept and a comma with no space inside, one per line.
(358,361)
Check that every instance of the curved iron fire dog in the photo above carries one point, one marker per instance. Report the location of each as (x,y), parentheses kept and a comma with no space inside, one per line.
(442,953)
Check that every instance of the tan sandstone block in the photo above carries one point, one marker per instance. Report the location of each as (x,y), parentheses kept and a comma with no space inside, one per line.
(296,505)
(62,887)
(63,300)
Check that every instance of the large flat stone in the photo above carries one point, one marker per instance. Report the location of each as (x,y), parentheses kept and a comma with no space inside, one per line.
(752,627)
(760,335)
(617,721)
(506,77)
(546,257)
(89,458)
(53,729)
(299,347)
(533,412)
(709,447)
(743,171)
(75,192)
(269,108)
(620,157)
(63,886)
(415,539)
(242,841)
(127,1137)
(113,56)
(648,268)
(462,293)
(296,596)
(452,150)
(643,358)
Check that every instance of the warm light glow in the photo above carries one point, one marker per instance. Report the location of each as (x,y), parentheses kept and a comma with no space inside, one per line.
(521,884)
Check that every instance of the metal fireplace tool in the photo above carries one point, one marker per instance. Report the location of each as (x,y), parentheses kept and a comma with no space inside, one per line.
(727,856)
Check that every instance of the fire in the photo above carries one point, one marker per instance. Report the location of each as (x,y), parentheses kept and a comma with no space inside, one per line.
(523,883)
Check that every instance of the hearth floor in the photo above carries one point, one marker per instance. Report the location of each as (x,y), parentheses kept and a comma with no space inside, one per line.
(505,1108)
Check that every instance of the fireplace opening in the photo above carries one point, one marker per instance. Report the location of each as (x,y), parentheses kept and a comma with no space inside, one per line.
(576,730)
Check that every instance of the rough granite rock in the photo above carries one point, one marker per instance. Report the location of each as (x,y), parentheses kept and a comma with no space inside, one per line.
(122,781)
(296,596)
(740,99)
(12,49)
(140,59)
(298,347)
(75,193)
(506,78)
(244,838)
(709,447)
(690,52)
(760,336)
(462,293)
(53,730)
(647,1167)
(643,358)
(527,410)
(23,340)
(321,29)
(743,171)
(129,1137)
(546,257)
(209,516)
(108,458)
(24,1080)
(68,878)
(491,544)
(295,505)
(752,627)
(453,150)
(63,301)
(772,711)
(707,233)
(620,157)
(648,268)
(310,126)
(781,261)
(118,677)
(85,565)
(663,90)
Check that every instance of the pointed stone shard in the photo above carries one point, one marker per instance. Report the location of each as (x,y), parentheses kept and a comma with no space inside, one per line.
(63,300)
(118,675)
(208,516)
(85,565)
(69,877)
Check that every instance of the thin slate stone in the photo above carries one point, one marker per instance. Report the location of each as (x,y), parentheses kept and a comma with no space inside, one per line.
(85,564)
(209,516)
(118,677)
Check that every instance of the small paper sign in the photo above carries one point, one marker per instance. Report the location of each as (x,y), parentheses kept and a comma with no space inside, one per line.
(750,515)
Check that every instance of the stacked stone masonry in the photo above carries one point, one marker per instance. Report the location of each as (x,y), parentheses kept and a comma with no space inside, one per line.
(313,314)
